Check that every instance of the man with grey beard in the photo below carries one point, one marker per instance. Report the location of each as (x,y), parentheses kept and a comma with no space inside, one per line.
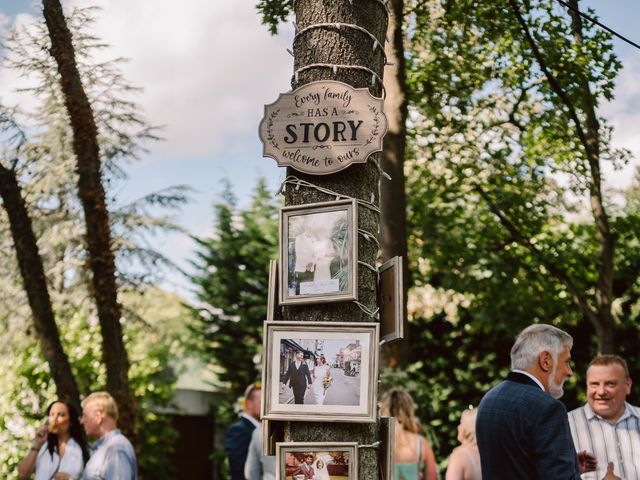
(522,428)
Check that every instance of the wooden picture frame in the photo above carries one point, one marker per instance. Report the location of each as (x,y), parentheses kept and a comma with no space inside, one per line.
(336,459)
(318,252)
(343,388)
(272,295)
(272,433)
(387,447)
(391,300)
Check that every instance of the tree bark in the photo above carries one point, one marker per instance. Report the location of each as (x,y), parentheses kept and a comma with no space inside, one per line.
(341,46)
(393,204)
(35,285)
(92,196)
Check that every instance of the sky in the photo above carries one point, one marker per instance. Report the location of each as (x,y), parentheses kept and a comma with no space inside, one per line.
(208,68)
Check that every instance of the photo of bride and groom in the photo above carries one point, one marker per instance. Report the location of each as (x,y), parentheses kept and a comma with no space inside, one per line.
(317,466)
(304,381)
(319,372)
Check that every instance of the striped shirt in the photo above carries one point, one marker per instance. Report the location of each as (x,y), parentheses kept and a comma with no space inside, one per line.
(617,442)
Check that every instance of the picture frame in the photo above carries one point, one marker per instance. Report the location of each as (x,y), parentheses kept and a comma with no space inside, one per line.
(387,446)
(320,371)
(335,459)
(272,433)
(272,294)
(391,300)
(318,252)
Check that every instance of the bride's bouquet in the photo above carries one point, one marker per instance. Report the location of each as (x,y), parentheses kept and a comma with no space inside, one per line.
(327,381)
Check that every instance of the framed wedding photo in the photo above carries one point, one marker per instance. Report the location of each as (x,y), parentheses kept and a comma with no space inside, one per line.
(318,252)
(391,300)
(322,460)
(320,371)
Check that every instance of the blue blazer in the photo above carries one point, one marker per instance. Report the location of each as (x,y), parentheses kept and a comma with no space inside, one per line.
(523,433)
(236,445)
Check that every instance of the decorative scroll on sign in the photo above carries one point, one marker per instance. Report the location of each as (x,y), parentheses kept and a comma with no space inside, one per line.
(323,127)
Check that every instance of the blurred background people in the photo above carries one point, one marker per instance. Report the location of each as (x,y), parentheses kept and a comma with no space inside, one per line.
(413,458)
(237,439)
(258,466)
(59,450)
(464,462)
(112,455)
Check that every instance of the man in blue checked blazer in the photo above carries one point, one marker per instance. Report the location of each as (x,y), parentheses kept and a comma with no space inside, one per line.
(522,429)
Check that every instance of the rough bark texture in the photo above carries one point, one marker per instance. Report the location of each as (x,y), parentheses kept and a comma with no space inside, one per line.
(393,204)
(344,46)
(35,285)
(92,196)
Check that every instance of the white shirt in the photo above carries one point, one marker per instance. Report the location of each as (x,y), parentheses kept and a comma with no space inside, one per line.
(617,442)
(538,382)
(71,463)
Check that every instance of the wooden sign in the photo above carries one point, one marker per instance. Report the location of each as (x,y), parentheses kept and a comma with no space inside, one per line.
(323,127)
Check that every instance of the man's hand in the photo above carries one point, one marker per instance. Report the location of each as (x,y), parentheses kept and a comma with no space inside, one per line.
(610,475)
(587,461)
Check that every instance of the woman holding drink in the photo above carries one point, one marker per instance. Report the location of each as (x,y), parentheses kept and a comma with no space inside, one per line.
(59,450)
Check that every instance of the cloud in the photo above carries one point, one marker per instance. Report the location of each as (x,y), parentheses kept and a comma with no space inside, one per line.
(623,114)
(206,69)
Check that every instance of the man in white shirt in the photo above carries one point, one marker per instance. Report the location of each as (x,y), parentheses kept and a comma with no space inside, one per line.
(607,425)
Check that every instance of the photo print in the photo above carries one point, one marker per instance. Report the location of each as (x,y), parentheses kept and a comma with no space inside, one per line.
(318,252)
(320,370)
(317,461)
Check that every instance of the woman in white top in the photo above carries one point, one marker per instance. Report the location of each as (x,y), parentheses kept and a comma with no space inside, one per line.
(59,450)
(464,462)
(319,373)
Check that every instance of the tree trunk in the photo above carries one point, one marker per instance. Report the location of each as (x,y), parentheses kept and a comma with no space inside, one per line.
(605,325)
(35,285)
(393,213)
(341,46)
(92,196)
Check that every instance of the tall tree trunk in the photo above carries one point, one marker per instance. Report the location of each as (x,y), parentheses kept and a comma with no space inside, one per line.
(393,204)
(605,325)
(342,46)
(581,110)
(35,285)
(92,196)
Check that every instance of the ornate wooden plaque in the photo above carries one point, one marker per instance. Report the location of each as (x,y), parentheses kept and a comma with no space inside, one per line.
(323,127)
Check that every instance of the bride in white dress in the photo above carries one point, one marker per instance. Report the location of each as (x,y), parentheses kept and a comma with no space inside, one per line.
(320,469)
(319,374)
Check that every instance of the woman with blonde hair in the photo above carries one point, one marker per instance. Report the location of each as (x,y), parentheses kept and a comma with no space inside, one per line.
(464,462)
(413,456)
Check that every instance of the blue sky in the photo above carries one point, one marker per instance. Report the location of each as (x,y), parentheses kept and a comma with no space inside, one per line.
(208,84)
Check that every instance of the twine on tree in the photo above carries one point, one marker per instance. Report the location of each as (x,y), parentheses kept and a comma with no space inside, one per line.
(293,180)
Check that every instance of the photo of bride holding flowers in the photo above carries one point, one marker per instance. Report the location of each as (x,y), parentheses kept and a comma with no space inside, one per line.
(322,380)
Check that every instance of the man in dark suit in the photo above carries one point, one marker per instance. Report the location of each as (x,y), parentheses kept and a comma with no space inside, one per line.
(237,439)
(522,429)
(299,377)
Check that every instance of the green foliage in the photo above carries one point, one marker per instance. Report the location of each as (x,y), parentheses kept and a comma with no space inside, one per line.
(498,197)
(46,170)
(232,279)
(274,12)
(153,338)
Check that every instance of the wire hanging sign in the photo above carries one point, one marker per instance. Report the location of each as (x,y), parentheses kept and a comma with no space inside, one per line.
(323,127)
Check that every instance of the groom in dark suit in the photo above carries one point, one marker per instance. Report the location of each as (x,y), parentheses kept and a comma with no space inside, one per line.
(299,377)
(522,429)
